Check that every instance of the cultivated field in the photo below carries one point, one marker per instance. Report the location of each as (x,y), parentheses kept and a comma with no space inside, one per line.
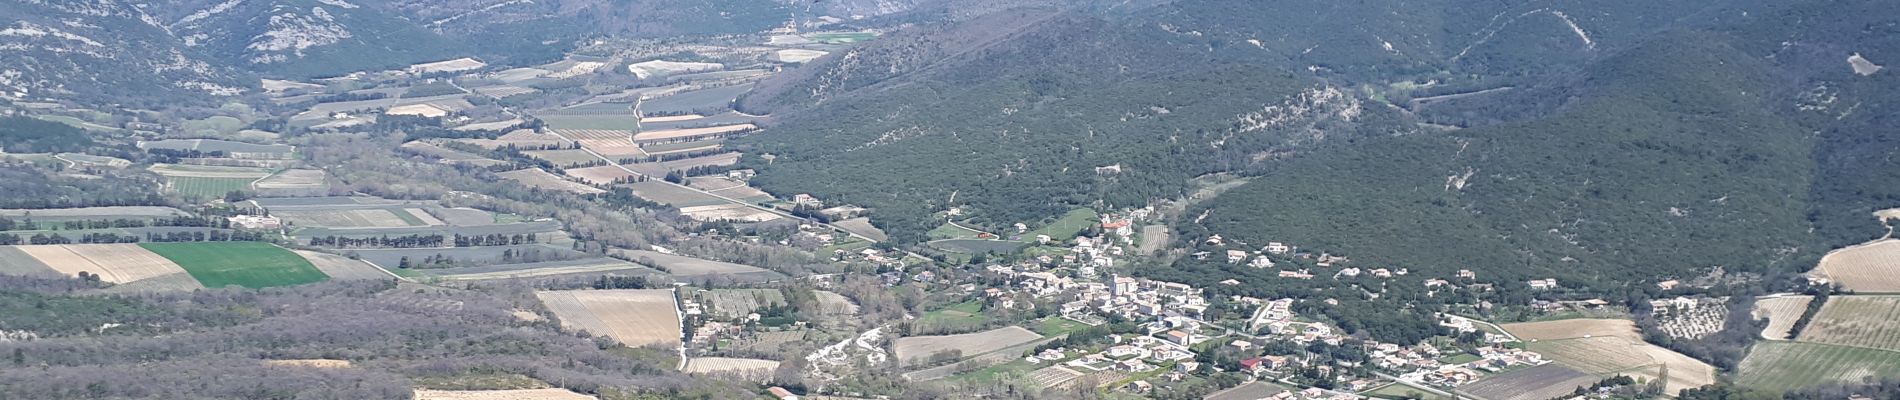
(733,303)
(661,168)
(1873,267)
(1781,313)
(1548,381)
(208,181)
(619,121)
(16,262)
(690,134)
(601,175)
(917,349)
(725,118)
(68,214)
(862,226)
(563,158)
(1783,366)
(309,363)
(730,188)
(715,98)
(539,179)
(659,68)
(1574,328)
(663,193)
(215,145)
(448,155)
(1610,355)
(749,369)
(246,264)
(116,263)
(514,394)
(293,179)
(1861,321)
(1052,376)
(342,268)
(683,266)
(634,317)
(728,212)
(359,218)
(549,268)
(389,258)
(520,139)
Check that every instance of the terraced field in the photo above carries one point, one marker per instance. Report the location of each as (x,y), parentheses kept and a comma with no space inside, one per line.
(1792,365)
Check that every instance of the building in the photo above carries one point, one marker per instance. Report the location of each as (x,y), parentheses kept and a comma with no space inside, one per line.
(1277,248)
(256,222)
(1543,284)
(1180,338)
(781,394)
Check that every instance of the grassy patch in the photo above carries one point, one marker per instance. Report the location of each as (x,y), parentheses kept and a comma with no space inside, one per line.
(247,264)
(1052,326)
(1063,229)
(1397,391)
(948,231)
(955,317)
(1460,358)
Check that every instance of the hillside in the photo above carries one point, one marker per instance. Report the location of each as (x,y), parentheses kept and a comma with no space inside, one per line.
(1014,112)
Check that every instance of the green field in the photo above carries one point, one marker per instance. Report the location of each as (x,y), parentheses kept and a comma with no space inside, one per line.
(247,264)
(1063,229)
(1052,326)
(948,231)
(954,317)
(207,187)
(842,37)
(1397,391)
(1775,365)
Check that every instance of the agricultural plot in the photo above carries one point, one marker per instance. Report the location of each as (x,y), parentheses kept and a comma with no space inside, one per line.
(679,122)
(309,363)
(734,303)
(293,179)
(116,263)
(1574,328)
(697,100)
(448,155)
(633,317)
(89,213)
(1251,391)
(247,264)
(745,368)
(661,168)
(1053,376)
(918,349)
(1548,381)
(462,216)
(1781,313)
(1873,267)
(625,121)
(521,139)
(487,255)
(513,394)
(342,268)
(230,148)
(539,179)
(1782,366)
(697,268)
(862,226)
(564,158)
(540,269)
(660,68)
(729,188)
(505,91)
(1610,355)
(735,75)
(207,187)
(1064,228)
(664,193)
(728,212)
(690,134)
(601,140)
(601,175)
(92,160)
(658,149)
(348,218)
(977,246)
(16,262)
(1861,321)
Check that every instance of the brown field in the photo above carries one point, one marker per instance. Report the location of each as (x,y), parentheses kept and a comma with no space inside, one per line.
(634,317)
(116,263)
(1860,321)
(1872,267)
(539,179)
(343,268)
(917,349)
(293,179)
(366,218)
(1610,355)
(1574,328)
(862,226)
(309,363)
(1548,381)
(515,394)
(601,175)
(691,133)
(672,118)
(1781,313)
(750,369)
